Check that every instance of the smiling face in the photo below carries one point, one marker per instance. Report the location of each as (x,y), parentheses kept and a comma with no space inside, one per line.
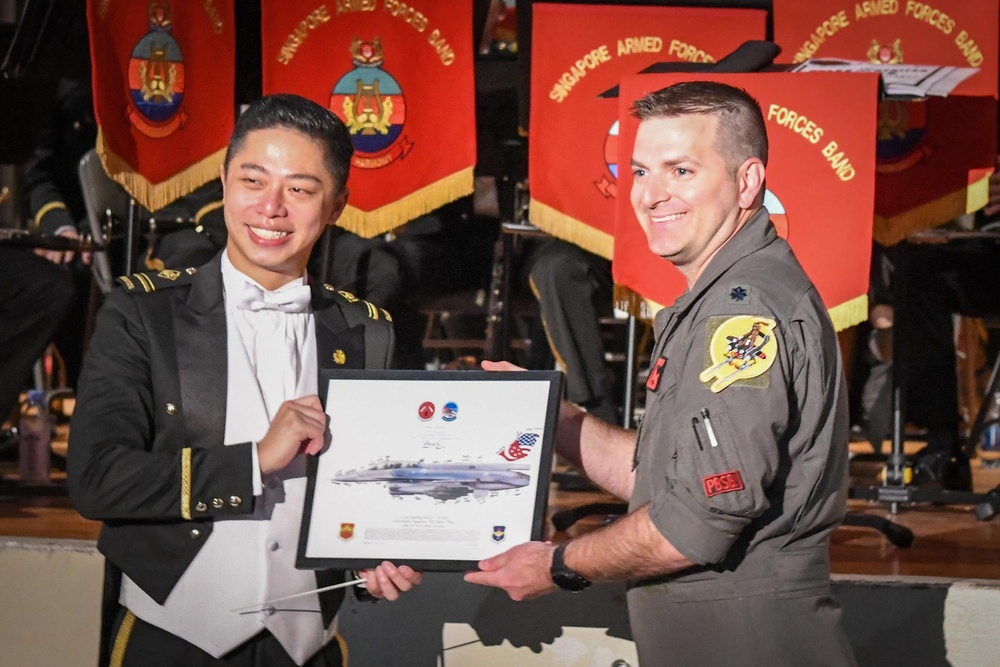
(279,196)
(684,194)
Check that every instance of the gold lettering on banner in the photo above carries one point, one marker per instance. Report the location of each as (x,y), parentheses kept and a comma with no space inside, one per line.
(440,45)
(795,122)
(838,161)
(590,61)
(827,28)
(406,13)
(870,8)
(969,49)
(921,11)
(688,52)
(313,20)
(648,44)
(347,6)
(214,16)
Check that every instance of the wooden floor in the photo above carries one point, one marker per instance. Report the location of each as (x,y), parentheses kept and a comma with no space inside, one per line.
(949,541)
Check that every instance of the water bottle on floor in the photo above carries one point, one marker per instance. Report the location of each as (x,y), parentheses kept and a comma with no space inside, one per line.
(35,436)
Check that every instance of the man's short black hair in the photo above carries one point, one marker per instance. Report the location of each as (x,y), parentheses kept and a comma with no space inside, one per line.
(294,112)
(741,134)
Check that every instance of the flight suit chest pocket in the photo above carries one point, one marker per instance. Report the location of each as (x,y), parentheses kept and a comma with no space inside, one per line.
(655,434)
(712,460)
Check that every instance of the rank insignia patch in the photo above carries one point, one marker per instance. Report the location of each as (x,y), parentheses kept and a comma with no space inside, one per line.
(738,293)
(740,348)
(725,482)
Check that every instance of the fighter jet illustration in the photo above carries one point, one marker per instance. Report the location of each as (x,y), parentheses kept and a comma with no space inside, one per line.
(441,481)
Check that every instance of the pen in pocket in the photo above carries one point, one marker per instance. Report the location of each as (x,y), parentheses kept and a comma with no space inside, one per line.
(708,428)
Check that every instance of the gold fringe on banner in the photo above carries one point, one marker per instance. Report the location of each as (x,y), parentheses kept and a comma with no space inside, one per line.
(849,313)
(372,223)
(890,231)
(843,316)
(570,229)
(156,196)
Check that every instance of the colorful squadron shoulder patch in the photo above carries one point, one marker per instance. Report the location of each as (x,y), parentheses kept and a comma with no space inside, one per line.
(740,348)
(156,77)
(371,104)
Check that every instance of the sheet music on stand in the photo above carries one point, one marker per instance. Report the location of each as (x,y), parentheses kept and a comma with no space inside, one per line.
(898,80)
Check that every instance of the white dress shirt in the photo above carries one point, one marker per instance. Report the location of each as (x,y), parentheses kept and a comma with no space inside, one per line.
(247,561)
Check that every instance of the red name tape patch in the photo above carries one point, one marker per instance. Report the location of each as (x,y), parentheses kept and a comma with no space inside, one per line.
(723,483)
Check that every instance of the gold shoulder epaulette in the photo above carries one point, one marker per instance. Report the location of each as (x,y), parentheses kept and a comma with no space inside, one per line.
(150,282)
(374,312)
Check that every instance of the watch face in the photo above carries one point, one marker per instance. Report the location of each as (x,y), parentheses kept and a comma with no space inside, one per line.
(570,581)
(562,576)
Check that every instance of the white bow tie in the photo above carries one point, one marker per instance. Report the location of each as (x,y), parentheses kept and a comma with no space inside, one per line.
(291,300)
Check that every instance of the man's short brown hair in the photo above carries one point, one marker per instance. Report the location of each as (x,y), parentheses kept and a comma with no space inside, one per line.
(742,133)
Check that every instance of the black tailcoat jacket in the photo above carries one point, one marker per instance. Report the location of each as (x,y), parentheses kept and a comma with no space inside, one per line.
(146,454)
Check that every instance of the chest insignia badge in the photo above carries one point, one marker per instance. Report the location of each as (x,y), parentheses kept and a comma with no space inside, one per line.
(656,374)
(741,348)
(346,531)
(339,357)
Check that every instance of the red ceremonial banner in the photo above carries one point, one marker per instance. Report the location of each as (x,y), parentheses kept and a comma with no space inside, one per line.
(578,53)
(935,155)
(400,77)
(820,184)
(163,78)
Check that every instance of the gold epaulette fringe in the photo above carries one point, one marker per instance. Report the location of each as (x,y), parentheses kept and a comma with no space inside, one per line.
(570,229)
(386,218)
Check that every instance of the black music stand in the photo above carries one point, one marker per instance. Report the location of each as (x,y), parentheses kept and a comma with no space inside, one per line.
(895,489)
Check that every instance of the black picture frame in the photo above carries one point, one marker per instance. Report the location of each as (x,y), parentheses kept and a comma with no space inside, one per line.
(331,559)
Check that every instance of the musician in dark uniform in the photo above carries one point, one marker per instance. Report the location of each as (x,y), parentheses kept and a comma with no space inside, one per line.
(198,406)
(34,296)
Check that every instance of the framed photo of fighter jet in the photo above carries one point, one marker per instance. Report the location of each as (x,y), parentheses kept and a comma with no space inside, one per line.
(433,469)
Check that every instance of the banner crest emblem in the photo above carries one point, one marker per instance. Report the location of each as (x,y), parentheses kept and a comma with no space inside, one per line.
(371,103)
(886,55)
(156,77)
(779,218)
(608,187)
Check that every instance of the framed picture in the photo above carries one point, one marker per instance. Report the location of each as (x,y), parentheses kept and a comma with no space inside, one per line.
(433,469)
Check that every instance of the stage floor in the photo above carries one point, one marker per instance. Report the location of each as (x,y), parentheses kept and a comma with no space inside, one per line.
(949,541)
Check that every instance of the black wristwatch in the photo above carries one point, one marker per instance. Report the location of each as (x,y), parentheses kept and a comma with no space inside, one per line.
(562,576)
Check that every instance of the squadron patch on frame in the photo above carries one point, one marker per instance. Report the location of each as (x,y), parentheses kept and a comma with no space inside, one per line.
(740,348)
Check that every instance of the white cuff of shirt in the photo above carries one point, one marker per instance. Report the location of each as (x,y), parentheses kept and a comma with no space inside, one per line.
(258,484)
